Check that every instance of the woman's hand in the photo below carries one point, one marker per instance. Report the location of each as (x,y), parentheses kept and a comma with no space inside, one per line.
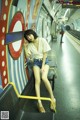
(42,69)
(43,62)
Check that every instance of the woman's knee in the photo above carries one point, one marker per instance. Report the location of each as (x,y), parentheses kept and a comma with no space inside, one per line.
(37,82)
(44,78)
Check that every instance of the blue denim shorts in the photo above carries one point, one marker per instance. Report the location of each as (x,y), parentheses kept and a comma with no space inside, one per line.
(38,62)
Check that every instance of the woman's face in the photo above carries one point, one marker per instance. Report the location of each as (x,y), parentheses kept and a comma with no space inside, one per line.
(30,38)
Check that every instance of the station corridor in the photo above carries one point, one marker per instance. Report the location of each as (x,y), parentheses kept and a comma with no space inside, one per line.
(67,84)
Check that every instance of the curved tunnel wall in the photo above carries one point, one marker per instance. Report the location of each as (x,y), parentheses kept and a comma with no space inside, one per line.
(74,20)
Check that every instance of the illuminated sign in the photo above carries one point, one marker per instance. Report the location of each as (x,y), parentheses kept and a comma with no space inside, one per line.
(69,3)
(74,2)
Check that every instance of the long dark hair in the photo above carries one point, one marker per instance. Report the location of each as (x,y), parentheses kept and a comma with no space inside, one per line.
(28,32)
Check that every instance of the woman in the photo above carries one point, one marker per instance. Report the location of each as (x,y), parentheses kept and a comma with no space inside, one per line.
(38,48)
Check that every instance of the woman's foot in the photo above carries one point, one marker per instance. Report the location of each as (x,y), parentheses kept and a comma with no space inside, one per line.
(53,105)
(41,108)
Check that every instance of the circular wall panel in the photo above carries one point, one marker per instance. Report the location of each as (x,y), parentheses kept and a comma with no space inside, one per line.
(17,24)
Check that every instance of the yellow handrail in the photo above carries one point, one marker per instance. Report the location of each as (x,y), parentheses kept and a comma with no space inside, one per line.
(28,97)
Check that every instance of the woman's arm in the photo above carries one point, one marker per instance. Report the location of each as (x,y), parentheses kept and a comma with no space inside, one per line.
(27,52)
(44,59)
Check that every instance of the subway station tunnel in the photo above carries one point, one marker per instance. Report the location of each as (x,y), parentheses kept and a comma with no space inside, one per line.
(58,21)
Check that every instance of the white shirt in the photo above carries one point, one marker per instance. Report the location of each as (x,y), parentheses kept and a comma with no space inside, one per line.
(43,46)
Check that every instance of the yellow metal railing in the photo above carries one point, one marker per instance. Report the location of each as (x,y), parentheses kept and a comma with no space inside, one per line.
(28,97)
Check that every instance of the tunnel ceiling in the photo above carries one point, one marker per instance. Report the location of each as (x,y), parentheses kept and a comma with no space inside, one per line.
(58,12)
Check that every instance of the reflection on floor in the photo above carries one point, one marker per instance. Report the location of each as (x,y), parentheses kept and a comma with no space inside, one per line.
(67,84)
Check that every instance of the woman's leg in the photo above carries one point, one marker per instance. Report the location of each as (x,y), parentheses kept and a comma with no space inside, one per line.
(36,70)
(48,86)
(46,81)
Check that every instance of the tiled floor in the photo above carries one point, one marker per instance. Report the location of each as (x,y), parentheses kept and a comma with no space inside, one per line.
(67,84)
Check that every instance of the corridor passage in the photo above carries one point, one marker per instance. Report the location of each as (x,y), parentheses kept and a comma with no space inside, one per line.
(67,84)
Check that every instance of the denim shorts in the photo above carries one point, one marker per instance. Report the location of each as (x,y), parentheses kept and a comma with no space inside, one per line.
(38,62)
